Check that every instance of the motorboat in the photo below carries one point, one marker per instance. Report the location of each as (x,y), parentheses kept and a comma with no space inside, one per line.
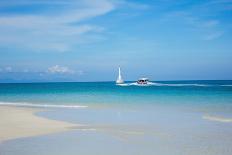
(143,81)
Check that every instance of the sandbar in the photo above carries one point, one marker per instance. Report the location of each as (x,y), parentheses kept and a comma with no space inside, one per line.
(19,122)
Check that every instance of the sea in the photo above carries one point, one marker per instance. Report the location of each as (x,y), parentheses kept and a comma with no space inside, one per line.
(168,118)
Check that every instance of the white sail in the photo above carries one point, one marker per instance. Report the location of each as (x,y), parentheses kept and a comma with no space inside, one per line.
(119,80)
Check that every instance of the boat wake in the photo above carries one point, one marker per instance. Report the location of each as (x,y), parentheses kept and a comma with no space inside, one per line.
(145,82)
(24,104)
(181,85)
(174,85)
(136,84)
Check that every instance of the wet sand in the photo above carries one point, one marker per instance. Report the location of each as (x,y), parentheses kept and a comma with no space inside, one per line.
(18,122)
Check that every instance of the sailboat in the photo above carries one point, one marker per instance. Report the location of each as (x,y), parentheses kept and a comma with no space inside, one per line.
(140,82)
(119,79)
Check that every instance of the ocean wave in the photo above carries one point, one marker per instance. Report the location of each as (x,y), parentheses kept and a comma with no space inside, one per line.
(23,104)
(227,85)
(217,118)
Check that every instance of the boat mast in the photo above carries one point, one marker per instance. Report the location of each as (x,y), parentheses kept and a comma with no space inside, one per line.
(119,73)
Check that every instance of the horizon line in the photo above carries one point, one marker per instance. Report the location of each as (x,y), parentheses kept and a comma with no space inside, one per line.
(103,81)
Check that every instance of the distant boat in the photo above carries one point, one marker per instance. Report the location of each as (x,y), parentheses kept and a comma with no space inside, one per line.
(143,81)
(119,79)
(139,82)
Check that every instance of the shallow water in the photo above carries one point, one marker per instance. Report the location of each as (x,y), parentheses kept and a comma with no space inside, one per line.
(183,117)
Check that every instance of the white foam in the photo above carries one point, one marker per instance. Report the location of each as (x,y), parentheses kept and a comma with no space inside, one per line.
(123,84)
(163,84)
(90,129)
(148,84)
(183,85)
(217,118)
(228,85)
(24,104)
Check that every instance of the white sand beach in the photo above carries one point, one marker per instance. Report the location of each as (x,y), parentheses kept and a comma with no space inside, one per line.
(18,122)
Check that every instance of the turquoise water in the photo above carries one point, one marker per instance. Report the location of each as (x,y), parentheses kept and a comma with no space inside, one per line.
(213,92)
(174,117)
(202,95)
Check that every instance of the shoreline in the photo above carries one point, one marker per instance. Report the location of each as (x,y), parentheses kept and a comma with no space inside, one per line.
(21,122)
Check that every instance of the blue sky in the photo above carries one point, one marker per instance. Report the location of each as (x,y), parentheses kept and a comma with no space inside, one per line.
(86,40)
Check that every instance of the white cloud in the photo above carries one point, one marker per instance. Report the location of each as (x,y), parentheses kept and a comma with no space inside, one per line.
(60,70)
(186,17)
(210,23)
(52,30)
(8,69)
(80,72)
(25,70)
(133,5)
(31,2)
(213,36)
(207,28)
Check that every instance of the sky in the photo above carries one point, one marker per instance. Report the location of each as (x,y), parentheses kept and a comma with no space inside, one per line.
(86,40)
